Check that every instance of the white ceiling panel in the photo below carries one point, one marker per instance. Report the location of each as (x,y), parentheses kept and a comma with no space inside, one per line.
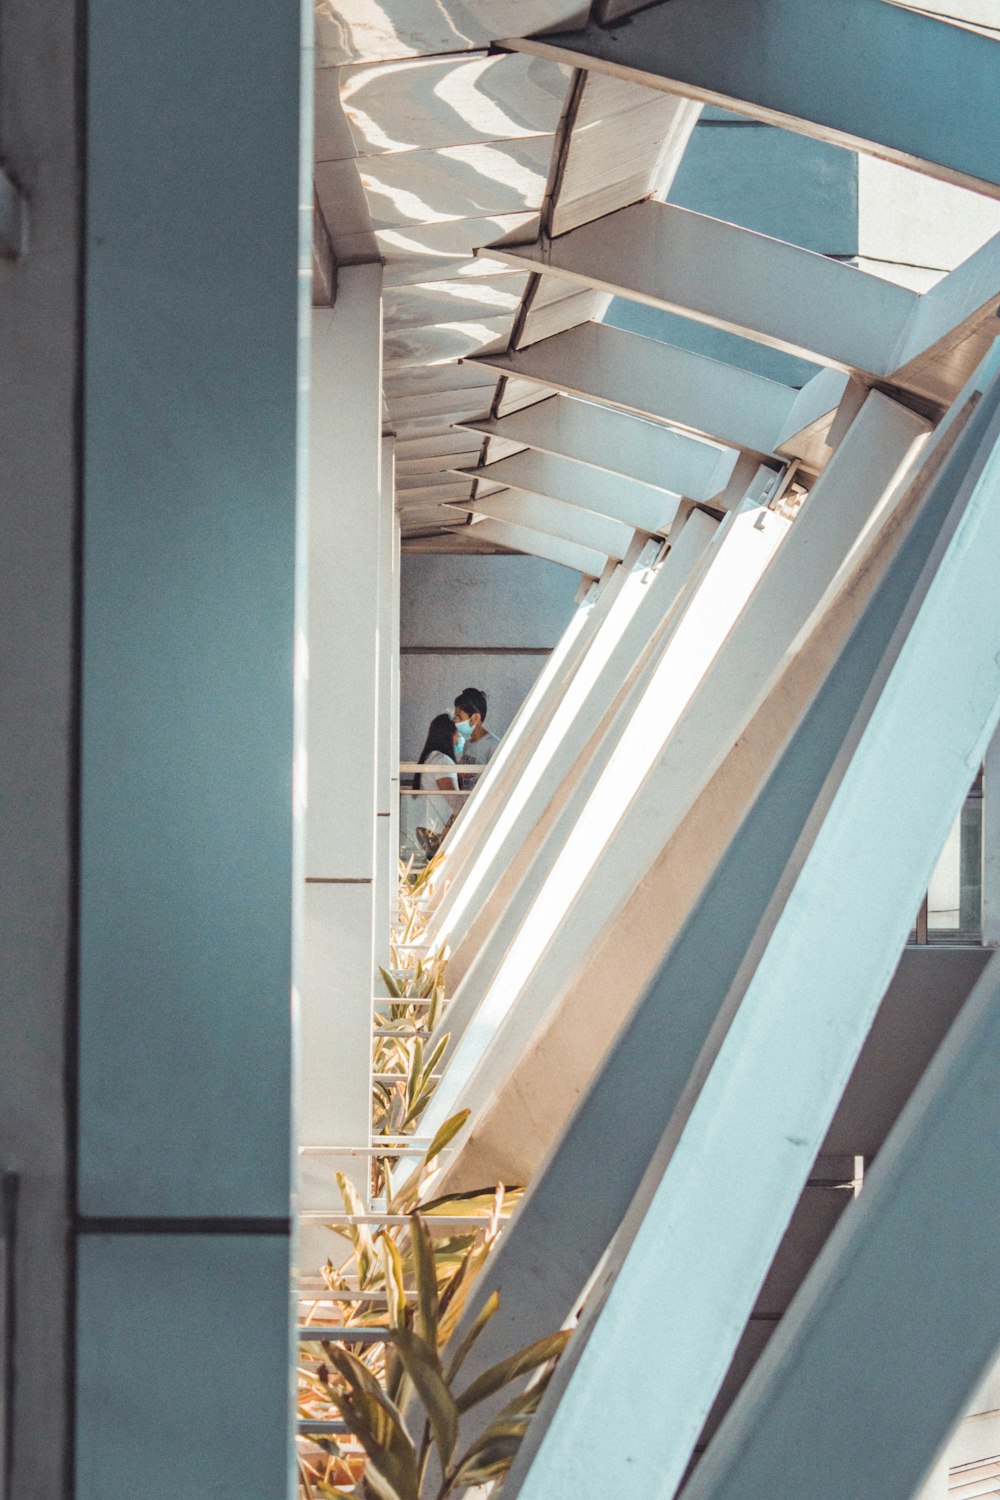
(479,398)
(428,149)
(451,302)
(349,31)
(457,182)
(452,238)
(414,272)
(433,378)
(431,102)
(448,341)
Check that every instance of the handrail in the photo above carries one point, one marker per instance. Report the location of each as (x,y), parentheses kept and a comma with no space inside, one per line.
(413,766)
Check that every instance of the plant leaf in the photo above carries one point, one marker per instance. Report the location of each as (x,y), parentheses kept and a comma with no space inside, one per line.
(424,1369)
(455,1294)
(499,1375)
(425,1275)
(488,1460)
(484,1315)
(392,1265)
(392,989)
(410,1192)
(378,1426)
(360,1235)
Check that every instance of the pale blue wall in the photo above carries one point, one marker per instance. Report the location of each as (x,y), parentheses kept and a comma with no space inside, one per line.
(479,604)
(186,875)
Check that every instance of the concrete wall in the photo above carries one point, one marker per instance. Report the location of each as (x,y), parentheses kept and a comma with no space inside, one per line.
(38,440)
(486,622)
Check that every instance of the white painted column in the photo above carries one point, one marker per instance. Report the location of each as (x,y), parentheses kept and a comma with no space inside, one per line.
(338,936)
(387,777)
(394,704)
(991,845)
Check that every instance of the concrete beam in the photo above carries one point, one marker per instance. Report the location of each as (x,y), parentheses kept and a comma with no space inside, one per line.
(482,914)
(655,380)
(614,443)
(520,538)
(859,74)
(555,518)
(952,327)
(515,750)
(852,499)
(732,278)
(911,1315)
(889,746)
(627,500)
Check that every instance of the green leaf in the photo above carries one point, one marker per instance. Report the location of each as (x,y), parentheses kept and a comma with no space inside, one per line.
(410,1192)
(484,1315)
(488,1460)
(424,1368)
(445,1135)
(425,1275)
(392,1265)
(378,1426)
(392,989)
(360,1235)
(430,1066)
(476,1202)
(415,1071)
(456,1291)
(493,1451)
(499,1375)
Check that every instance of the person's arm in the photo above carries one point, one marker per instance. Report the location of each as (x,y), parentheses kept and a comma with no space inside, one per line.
(447,784)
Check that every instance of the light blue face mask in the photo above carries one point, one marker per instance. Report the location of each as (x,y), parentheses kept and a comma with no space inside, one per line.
(464,728)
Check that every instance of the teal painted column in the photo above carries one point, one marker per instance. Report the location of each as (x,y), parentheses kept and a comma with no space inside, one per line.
(196,117)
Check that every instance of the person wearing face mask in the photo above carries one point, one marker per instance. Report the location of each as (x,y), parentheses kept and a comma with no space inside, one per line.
(441,749)
(477,742)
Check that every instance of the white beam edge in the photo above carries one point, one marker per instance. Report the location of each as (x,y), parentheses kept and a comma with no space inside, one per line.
(656,381)
(618,498)
(728,277)
(640,450)
(582,560)
(553,518)
(837,89)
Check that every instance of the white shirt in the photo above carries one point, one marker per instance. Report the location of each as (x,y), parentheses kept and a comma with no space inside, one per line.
(440,806)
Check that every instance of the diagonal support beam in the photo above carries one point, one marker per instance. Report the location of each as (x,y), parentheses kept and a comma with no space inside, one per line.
(554,518)
(614,443)
(732,278)
(859,73)
(637,505)
(902,1302)
(737,1163)
(520,538)
(655,380)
